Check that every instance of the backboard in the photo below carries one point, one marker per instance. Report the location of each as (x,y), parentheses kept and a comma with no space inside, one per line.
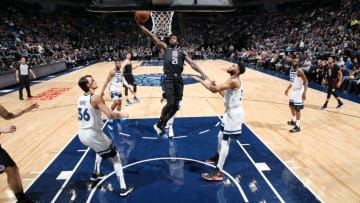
(108,6)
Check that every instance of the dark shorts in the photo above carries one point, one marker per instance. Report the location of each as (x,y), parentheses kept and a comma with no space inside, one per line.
(174,88)
(5,160)
(297,107)
(129,79)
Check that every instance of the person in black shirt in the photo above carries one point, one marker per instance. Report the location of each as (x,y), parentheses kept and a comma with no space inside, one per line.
(333,78)
(174,58)
(129,77)
(23,77)
(7,164)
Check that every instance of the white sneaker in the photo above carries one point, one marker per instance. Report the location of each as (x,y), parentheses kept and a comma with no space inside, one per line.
(158,130)
(126,191)
(171,132)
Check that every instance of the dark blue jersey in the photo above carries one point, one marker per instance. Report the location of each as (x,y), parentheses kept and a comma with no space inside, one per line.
(173,62)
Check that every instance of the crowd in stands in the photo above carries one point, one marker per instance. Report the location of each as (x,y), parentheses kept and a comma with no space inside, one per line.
(272,39)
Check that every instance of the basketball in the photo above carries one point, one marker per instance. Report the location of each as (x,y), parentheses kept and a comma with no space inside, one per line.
(142,16)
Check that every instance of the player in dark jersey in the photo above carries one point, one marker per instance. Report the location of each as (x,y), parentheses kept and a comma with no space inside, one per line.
(333,78)
(174,58)
(7,164)
(129,77)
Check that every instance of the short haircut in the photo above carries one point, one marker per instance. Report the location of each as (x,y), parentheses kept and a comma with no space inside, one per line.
(241,67)
(83,83)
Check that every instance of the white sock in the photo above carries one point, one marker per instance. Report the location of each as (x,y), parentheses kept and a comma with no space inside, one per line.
(293,118)
(225,145)
(298,123)
(119,171)
(220,138)
(98,160)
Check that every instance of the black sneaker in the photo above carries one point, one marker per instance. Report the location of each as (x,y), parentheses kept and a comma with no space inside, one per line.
(126,191)
(95,177)
(213,159)
(291,122)
(340,105)
(295,129)
(324,108)
(212,176)
(20,98)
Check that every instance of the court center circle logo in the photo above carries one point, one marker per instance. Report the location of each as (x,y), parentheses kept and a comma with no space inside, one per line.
(154,79)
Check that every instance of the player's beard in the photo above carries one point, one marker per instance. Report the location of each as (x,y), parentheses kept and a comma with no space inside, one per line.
(231,72)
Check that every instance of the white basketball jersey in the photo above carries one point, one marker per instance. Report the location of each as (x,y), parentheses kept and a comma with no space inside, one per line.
(88,116)
(297,82)
(116,82)
(232,98)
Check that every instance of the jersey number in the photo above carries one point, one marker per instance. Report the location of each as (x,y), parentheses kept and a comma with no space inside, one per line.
(83,114)
(174,60)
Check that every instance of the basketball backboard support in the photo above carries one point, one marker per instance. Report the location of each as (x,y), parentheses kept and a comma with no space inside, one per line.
(109,6)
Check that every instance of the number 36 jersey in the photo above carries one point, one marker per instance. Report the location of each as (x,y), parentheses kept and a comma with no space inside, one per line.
(88,116)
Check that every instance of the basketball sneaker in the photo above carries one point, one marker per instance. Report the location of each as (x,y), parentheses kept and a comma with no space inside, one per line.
(136,100)
(213,159)
(158,130)
(340,105)
(324,108)
(128,102)
(295,129)
(96,177)
(126,191)
(212,176)
(291,122)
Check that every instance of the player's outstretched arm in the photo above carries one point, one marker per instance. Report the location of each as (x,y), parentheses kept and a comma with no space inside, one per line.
(98,102)
(154,38)
(195,66)
(10,115)
(107,80)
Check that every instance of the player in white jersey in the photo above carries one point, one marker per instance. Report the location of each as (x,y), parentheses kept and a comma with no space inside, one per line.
(233,118)
(90,131)
(298,85)
(116,80)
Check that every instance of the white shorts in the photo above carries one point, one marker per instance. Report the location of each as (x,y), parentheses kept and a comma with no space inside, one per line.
(232,121)
(96,140)
(296,98)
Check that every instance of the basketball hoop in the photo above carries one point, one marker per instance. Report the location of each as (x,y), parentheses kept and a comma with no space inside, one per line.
(161,21)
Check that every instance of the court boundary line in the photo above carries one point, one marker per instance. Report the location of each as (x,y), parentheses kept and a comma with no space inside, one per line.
(69,178)
(242,193)
(261,173)
(285,164)
(50,162)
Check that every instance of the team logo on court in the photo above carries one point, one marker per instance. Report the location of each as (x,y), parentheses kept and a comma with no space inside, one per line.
(50,93)
(154,79)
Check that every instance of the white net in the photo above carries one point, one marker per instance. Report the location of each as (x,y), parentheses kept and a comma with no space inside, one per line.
(161,21)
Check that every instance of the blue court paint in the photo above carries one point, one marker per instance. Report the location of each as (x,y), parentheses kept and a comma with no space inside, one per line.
(168,170)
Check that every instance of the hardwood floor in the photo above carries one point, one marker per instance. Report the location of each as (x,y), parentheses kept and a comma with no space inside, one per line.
(324,155)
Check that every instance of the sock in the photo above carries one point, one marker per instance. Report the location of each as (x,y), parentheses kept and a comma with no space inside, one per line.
(98,160)
(225,145)
(119,171)
(298,123)
(220,138)
(293,118)
(20,196)
(339,101)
